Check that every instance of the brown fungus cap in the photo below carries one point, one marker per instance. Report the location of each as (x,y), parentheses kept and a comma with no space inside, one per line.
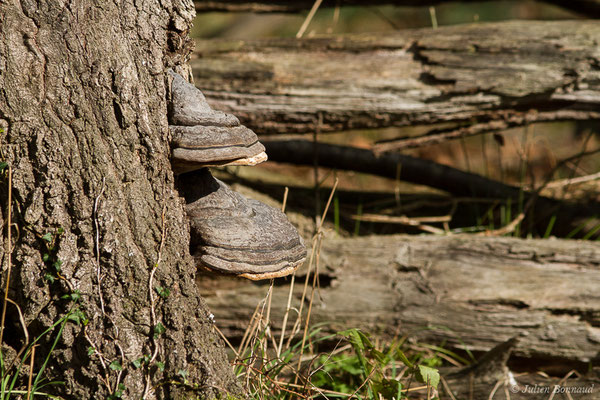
(205,137)
(235,235)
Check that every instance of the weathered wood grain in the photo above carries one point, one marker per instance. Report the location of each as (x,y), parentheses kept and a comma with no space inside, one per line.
(475,73)
(472,293)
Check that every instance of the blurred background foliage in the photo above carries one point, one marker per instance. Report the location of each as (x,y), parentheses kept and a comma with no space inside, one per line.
(351,19)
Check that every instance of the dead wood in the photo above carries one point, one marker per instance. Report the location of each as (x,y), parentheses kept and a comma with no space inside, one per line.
(471,293)
(491,378)
(514,72)
(569,215)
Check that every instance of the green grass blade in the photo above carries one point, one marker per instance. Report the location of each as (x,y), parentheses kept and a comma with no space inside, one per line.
(550,226)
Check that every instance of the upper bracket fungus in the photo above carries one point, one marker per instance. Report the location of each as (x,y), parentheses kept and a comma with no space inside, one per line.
(205,137)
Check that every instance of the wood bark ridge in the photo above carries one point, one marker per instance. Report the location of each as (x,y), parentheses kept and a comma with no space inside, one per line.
(468,73)
(469,292)
(83,108)
(591,8)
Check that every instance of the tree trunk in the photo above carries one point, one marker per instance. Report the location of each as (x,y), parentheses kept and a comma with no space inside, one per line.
(493,75)
(95,216)
(469,292)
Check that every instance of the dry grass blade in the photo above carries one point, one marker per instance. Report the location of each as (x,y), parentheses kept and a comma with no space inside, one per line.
(291,291)
(237,356)
(493,392)
(447,388)
(316,247)
(248,332)
(362,384)
(25,333)
(8,254)
(31,360)
(309,18)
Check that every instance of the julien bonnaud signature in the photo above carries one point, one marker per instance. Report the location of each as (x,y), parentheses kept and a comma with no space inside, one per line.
(552,389)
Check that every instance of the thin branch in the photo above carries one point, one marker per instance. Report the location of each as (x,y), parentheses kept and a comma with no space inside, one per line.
(501,121)
(403,220)
(573,181)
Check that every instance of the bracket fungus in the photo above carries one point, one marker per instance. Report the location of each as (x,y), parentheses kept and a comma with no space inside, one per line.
(205,137)
(229,233)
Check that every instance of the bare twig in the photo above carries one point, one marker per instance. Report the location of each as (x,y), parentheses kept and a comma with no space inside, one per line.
(499,122)
(417,222)
(574,181)
(106,379)
(25,333)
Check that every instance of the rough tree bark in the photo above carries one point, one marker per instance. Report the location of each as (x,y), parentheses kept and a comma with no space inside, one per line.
(84,112)
(469,292)
(491,75)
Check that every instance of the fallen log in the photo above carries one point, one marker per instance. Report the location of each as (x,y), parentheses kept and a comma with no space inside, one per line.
(490,378)
(472,293)
(515,73)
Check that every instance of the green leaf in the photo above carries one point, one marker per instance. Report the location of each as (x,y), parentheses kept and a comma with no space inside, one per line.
(400,355)
(57,265)
(427,375)
(138,363)
(116,366)
(49,277)
(60,231)
(387,389)
(118,393)
(91,351)
(78,317)
(183,373)
(159,329)
(381,358)
(160,365)
(47,237)
(76,295)
(163,292)
(3,165)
